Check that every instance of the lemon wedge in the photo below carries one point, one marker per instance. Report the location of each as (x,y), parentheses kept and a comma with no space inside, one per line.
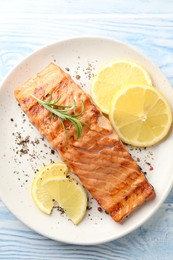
(70,195)
(40,196)
(141,115)
(113,76)
(51,184)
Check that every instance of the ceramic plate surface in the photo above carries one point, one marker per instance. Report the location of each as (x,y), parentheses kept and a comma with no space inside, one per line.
(23,150)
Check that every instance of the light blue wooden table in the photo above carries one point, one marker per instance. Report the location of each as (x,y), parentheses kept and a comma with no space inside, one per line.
(147,25)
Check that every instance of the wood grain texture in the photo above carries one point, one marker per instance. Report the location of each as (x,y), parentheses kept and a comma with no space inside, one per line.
(89,6)
(154,36)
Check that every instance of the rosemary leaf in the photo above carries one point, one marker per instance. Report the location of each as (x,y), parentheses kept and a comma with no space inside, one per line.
(62,112)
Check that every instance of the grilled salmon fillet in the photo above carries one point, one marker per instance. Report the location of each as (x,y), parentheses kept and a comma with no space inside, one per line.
(98,157)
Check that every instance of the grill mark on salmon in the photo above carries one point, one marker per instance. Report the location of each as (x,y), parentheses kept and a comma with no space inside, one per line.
(98,157)
(109,187)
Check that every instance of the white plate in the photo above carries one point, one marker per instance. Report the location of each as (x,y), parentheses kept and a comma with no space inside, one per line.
(80,55)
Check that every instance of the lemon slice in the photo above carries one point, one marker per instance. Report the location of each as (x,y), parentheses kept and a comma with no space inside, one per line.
(70,195)
(112,77)
(40,196)
(141,115)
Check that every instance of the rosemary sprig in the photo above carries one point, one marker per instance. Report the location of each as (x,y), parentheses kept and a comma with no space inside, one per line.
(63,113)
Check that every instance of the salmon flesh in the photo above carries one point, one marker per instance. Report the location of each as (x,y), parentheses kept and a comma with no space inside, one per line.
(98,157)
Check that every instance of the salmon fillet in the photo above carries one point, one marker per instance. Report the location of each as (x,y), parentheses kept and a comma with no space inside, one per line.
(98,157)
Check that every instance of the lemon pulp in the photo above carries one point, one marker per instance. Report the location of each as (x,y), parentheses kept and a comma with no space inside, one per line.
(70,196)
(52,184)
(141,115)
(112,77)
(40,196)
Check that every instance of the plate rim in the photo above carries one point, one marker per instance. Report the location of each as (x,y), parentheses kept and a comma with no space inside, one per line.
(164,195)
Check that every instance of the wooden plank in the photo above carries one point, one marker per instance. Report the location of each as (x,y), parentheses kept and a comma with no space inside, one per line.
(91,7)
